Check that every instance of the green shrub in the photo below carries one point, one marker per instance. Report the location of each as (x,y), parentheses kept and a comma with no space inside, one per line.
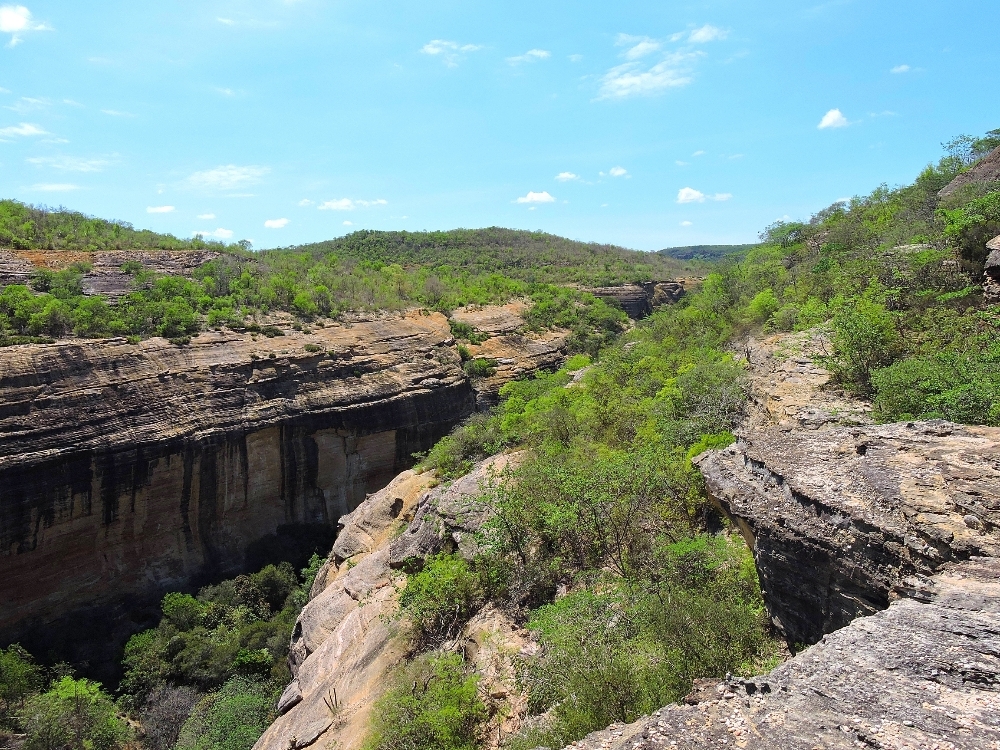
(20,676)
(74,713)
(233,718)
(433,705)
(865,338)
(480,367)
(438,600)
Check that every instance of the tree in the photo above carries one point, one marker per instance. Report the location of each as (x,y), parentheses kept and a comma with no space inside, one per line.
(73,713)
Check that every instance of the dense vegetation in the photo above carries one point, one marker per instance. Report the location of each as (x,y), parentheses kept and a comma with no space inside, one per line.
(600,539)
(704,252)
(601,543)
(533,257)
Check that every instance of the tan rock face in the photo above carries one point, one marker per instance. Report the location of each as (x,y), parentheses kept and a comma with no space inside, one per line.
(128,470)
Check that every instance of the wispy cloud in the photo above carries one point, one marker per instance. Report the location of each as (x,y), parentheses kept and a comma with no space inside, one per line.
(16,20)
(901,69)
(28,104)
(567,176)
(707,33)
(54,187)
(638,46)
(686,223)
(698,153)
(348,223)
(575,58)
(690,195)
(206,217)
(228,177)
(226,21)
(305,202)
(69,163)
(618,172)
(159,209)
(220,233)
(532,55)
(117,113)
(533,197)
(347,204)
(22,129)
(225,91)
(450,52)
(276,223)
(4,91)
(833,119)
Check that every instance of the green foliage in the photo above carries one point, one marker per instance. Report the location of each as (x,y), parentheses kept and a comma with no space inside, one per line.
(240,627)
(970,226)
(20,677)
(433,705)
(73,713)
(464,331)
(232,718)
(866,337)
(616,652)
(440,598)
(480,367)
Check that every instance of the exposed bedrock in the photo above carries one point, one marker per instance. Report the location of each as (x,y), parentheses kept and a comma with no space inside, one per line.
(838,519)
(128,470)
(638,300)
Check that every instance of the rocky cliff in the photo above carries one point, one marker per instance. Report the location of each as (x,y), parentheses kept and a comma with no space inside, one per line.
(638,300)
(984,171)
(130,469)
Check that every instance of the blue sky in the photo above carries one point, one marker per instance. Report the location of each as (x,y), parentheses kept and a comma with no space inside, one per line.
(647,124)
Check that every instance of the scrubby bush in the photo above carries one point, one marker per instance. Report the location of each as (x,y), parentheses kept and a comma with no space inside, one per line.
(433,705)
(20,677)
(232,718)
(439,599)
(73,713)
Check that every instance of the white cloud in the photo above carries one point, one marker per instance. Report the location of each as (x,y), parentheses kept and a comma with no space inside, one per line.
(276,223)
(206,216)
(226,21)
(117,113)
(4,91)
(638,46)
(305,202)
(533,197)
(690,195)
(228,177)
(833,119)
(348,223)
(54,187)
(901,69)
(532,55)
(16,20)
(707,33)
(226,92)
(220,234)
(686,223)
(680,163)
(450,52)
(698,153)
(617,171)
(159,209)
(575,58)
(567,176)
(28,104)
(69,163)
(632,78)
(346,204)
(25,128)
(722,196)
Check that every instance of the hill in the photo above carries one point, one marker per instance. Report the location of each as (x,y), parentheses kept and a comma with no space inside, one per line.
(704,252)
(535,257)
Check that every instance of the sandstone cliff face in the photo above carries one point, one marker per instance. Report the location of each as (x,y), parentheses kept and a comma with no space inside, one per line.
(347,641)
(638,300)
(128,470)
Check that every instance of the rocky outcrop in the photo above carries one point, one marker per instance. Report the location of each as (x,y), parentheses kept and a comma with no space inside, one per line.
(839,518)
(130,469)
(347,641)
(638,300)
(984,171)
(924,673)
(991,273)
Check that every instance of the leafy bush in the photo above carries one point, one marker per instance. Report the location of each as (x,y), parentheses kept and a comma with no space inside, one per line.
(439,599)
(433,705)
(73,713)
(866,338)
(233,718)
(20,676)
(480,367)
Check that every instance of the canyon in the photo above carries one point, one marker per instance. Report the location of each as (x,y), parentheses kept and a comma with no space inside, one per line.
(132,469)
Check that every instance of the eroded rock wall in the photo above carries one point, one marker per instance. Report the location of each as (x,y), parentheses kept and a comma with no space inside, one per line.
(128,470)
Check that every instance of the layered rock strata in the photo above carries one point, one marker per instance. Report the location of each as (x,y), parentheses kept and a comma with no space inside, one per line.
(347,640)
(131,469)
(638,300)
(991,273)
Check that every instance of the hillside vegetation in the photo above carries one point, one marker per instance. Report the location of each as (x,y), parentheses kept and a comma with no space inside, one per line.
(603,543)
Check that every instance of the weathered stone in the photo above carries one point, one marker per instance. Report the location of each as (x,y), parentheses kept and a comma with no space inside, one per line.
(836,518)
(991,273)
(984,171)
(638,300)
(130,470)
